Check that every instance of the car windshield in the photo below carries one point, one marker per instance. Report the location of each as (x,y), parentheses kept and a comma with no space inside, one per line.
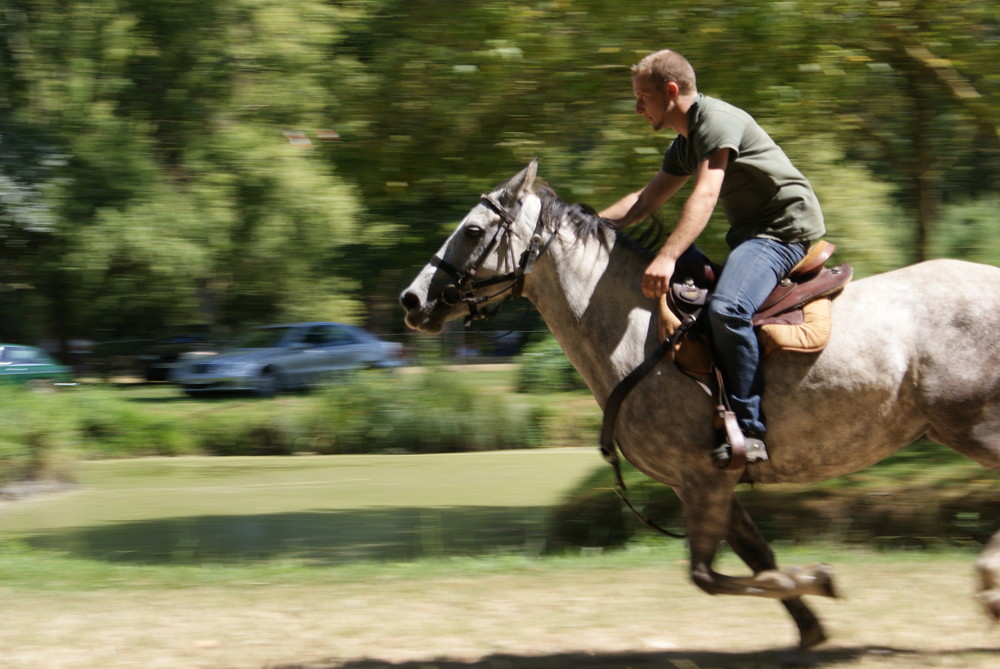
(261,338)
(16,355)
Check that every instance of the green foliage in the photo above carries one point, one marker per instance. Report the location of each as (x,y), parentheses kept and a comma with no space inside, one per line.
(245,433)
(33,437)
(431,411)
(142,160)
(107,427)
(43,432)
(871,231)
(425,411)
(175,197)
(969,231)
(544,368)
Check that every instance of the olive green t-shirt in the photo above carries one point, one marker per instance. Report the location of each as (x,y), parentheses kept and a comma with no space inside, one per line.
(763,194)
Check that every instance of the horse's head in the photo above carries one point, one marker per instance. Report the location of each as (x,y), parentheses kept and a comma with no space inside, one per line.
(484,261)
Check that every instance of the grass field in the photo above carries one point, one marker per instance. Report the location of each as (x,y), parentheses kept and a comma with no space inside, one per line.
(417,562)
(326,509)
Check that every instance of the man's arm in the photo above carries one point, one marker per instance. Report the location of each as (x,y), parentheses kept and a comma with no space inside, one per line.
(694,217)
(641,204)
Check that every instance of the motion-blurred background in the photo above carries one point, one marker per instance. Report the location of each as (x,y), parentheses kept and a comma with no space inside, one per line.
(172,166)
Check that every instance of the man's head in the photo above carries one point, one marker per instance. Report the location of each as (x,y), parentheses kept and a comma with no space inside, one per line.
(665,66)
(664,87)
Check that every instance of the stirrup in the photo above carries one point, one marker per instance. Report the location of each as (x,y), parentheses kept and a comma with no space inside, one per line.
(722,456)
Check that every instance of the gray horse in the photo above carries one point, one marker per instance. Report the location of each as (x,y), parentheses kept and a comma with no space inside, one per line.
(913,352)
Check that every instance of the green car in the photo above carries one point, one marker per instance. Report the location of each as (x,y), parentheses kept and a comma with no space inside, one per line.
(32,368)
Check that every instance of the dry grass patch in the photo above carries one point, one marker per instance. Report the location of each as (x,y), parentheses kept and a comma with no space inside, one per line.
(631,609)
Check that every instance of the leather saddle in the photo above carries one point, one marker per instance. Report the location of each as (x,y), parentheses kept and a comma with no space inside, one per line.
(695,276)
(808,283)
(795,316)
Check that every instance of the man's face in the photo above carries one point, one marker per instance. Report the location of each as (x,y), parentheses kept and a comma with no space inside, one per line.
(651,101)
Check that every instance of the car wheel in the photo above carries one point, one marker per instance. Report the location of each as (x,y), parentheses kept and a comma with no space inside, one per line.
(266,384)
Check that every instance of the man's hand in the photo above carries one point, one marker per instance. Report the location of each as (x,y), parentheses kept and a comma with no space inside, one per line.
(656,280)
(693,219)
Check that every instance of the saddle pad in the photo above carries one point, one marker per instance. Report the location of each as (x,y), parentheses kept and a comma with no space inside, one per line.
(809,334)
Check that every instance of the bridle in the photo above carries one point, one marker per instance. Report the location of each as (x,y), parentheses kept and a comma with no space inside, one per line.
(465,285)
(463,291)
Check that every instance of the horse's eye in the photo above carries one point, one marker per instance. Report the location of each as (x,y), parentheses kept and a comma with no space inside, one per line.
(473,231)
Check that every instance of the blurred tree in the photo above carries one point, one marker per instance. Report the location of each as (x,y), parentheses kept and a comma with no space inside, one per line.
(28,165)
(465,96)
(179,198)
(969,231)
(913,86)
(145,180)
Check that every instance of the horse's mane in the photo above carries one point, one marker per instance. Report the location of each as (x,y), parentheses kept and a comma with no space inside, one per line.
(587,223)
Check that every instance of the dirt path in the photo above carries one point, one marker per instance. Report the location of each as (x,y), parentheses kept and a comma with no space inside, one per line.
(911,611)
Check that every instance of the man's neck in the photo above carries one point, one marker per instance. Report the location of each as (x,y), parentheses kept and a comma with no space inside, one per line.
(681,113)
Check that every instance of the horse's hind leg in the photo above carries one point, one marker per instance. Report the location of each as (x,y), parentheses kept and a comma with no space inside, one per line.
(975,433)
(983,445)
(988,566)
(746,541)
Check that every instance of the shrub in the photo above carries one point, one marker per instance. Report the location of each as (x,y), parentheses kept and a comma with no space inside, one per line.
(107,426)
(429,410)
(35,434)
(544,368)
(426,410)
(243,433)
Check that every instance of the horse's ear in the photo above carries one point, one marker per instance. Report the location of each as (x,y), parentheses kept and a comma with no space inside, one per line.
(522,181)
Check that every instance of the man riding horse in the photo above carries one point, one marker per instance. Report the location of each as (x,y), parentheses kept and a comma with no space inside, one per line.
(772,210)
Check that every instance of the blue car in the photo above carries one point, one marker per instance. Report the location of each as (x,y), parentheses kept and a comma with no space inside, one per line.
(277,358)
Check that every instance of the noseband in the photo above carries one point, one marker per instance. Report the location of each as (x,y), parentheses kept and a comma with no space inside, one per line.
(466,285)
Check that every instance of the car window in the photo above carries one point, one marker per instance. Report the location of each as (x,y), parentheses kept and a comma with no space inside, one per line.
(21,356)
(327,335)
(315,336)
(261,338)
(340,337)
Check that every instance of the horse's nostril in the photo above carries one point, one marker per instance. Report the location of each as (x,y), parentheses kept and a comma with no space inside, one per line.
(409,301)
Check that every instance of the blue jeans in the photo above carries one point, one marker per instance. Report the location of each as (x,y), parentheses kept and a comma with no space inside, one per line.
(750,273)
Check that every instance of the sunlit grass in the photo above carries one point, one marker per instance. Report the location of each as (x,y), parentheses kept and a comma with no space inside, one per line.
(27,569)
(323,509)
(103,593)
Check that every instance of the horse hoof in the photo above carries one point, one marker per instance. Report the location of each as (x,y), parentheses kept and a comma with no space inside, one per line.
(823,573)
(811,638)
(991,600)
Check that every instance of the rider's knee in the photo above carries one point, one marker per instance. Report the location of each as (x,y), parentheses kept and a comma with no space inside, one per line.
(723,310)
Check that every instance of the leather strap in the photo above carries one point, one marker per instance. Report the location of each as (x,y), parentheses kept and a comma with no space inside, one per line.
(618,395)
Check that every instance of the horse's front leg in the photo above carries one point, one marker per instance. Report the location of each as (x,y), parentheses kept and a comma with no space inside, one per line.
(708,516)
(746,541)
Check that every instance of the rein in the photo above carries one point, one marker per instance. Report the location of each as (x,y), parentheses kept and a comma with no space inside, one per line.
(464,291)
(466,286)
(611,408)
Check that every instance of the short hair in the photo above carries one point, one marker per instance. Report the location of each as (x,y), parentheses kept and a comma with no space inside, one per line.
(663,66)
